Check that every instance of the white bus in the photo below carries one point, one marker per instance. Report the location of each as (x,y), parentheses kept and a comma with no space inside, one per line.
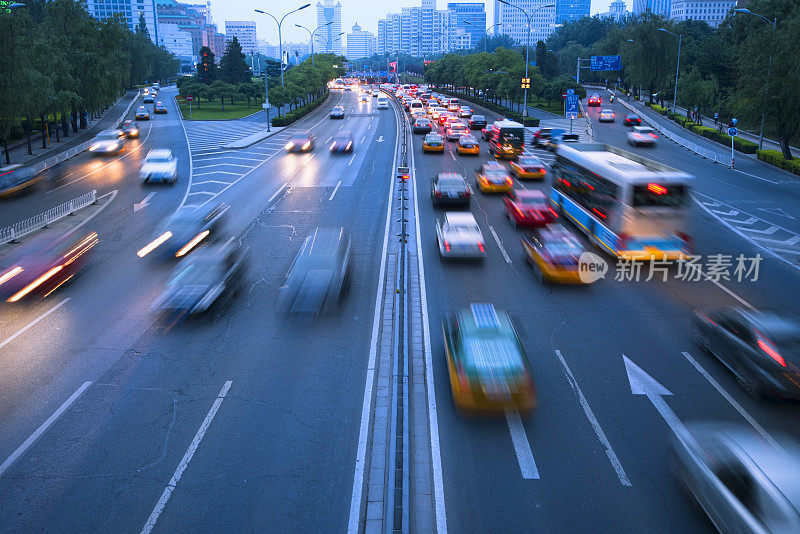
(629,206)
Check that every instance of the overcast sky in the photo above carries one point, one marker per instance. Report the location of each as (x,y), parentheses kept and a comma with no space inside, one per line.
(365,12)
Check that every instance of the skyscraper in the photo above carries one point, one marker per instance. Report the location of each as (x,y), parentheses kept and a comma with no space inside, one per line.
(659,7)
(130,10)
(245,33)
(567,10)
(461,13)
(360,43)
(327,38)
(514,23)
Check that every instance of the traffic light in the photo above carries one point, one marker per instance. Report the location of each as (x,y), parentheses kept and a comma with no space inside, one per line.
(526,83)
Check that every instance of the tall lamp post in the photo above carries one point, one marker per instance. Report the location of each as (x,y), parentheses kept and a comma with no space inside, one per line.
(774,23)
(311,36)
(527,44)
(280,41)
(677,69)
(486,32)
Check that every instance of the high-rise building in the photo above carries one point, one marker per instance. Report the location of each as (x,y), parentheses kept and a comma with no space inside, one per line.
(469,18)
(327,38)
(567,10)
(514,22)
(130,11)
(360,43)
(245,32)
(658,7)
(177,41)
(203,9)
(617,10)
(712,12)
(421,31)
(193,19)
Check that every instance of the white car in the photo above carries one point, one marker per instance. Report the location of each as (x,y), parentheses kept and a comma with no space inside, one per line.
(642,136)
(159,166)
(108,142)
(375,93)
(456,130)
(607,115)
(149,98)
(460,237)
(465,112)
(383,102)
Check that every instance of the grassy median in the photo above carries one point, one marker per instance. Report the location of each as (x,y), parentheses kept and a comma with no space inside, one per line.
(209,111)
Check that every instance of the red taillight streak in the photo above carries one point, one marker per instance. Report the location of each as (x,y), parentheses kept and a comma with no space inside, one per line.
(481,247)
(771,352)
(598,212)
(447,246)
(553,212)
(654,136)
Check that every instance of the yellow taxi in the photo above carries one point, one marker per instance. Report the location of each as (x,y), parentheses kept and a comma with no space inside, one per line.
(492,177)
(433,142)
(554,254)
(528,167)
(489,371)
(468,145)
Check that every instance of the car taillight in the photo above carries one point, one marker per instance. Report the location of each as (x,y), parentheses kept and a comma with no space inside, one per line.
(688,242)
(481,247)
(509,181)
(553,212)
(654,136)
(771,352)
(542,170)
(447,246)
(438,193)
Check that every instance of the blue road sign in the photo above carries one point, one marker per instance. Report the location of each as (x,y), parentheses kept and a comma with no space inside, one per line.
(731,131)
(605,63)
(572,108)
(570,91)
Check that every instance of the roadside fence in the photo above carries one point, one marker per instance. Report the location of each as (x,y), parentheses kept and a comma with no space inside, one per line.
(13,233)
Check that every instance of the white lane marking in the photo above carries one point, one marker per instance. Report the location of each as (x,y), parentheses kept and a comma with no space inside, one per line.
(769,231)
(176,476)
(217,172)
(353,157)
(433,418)
(527,465)
(598,430)
(112,194)
(43,428)
(191,166)
(335,189)
(500,244)
(746,222)
(738,407)
(342,126)
(202,193)
(730,213)
(223,165)
(363,139)
(759,177)
(354,520)
(278,192)
(452,155)
(211,182)
(32,323)
(144,203)
(329,139)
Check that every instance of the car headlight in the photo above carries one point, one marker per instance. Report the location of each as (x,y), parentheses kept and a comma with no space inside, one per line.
(349,145)
(92,148)
(289,145)
(306,145)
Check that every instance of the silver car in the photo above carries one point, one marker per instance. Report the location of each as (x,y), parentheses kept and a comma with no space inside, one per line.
(460,237)
(744,483)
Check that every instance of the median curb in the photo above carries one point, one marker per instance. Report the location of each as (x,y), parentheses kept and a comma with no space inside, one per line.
(254,138)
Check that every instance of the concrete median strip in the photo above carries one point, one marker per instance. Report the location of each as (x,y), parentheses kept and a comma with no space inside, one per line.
(252,139)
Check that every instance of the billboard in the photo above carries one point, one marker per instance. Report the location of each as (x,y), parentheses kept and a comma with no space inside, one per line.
(606,63)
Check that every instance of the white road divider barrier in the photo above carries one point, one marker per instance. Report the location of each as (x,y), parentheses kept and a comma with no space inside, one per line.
(13,233)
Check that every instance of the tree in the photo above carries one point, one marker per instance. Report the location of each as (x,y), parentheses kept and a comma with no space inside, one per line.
(206,68)
(232,67)
(546,61)
(141,28)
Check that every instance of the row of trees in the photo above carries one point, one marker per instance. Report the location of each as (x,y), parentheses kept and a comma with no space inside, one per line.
(58,63)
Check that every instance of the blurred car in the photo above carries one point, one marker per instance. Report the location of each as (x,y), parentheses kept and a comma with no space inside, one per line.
(465,112)
(528,166)
(450,188)
(743,483)
(142,114)
(364,97)
(488,368)
(320,274)
(342,142)
(41,264)
(422,125)
(375,93)
(337,112)
(558,137)
(160,108)
(468,145)
(595,100)
(450,120)
(631,119)
(607,115)
(183,231)
(541,136)
(443,117)
(159,166)
(477,122)
(301,141)
(492,177)
(108,142)
(528,207)
(14,179)
(433,142)
(436,112)
(642,136)
(149,97)
(762,348)
(156,86)
(453,108)
(554,253)
(460,237)
(130,129)
(455,130)
(208,279)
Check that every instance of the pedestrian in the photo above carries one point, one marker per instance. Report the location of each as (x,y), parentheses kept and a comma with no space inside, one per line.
(696,114)
(716,117)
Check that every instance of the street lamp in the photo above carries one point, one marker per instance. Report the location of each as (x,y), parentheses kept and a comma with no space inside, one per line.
(774,23)
(677,69)
(311,37)
(486,33)
(527,44)
(280,41)
(333,38)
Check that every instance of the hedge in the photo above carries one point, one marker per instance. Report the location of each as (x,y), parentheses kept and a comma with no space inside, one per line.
(775,157)
(501,110)
(299,113)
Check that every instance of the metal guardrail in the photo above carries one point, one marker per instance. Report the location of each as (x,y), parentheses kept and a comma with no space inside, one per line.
(43,220)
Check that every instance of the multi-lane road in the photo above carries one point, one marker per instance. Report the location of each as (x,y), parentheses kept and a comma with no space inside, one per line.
(112,420)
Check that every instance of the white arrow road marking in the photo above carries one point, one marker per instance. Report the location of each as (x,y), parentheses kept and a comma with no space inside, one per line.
(644,384)
(731,213)
(788,242)
(144,203)
(748,222)
(380,139)
(522,446)
(769,231)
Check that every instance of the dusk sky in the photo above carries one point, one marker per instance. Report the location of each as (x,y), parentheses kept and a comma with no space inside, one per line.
(365,12)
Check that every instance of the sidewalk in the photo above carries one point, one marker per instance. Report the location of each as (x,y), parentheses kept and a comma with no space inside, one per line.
(19,154)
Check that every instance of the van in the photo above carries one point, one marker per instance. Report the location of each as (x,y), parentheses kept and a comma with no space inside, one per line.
(415,105)
(452,102)
(506,139)
(383,102)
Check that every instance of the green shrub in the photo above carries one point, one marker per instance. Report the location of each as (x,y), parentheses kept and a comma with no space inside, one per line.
(659,109)
(299,113)
(775,157)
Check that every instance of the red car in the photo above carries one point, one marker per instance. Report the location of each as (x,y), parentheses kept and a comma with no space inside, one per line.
(595,100)
(525,207)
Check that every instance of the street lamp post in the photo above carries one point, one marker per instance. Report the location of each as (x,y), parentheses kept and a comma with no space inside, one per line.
(774,23)
(527,44)
(677,69)
(486,32)
(280,41)
(311,37)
